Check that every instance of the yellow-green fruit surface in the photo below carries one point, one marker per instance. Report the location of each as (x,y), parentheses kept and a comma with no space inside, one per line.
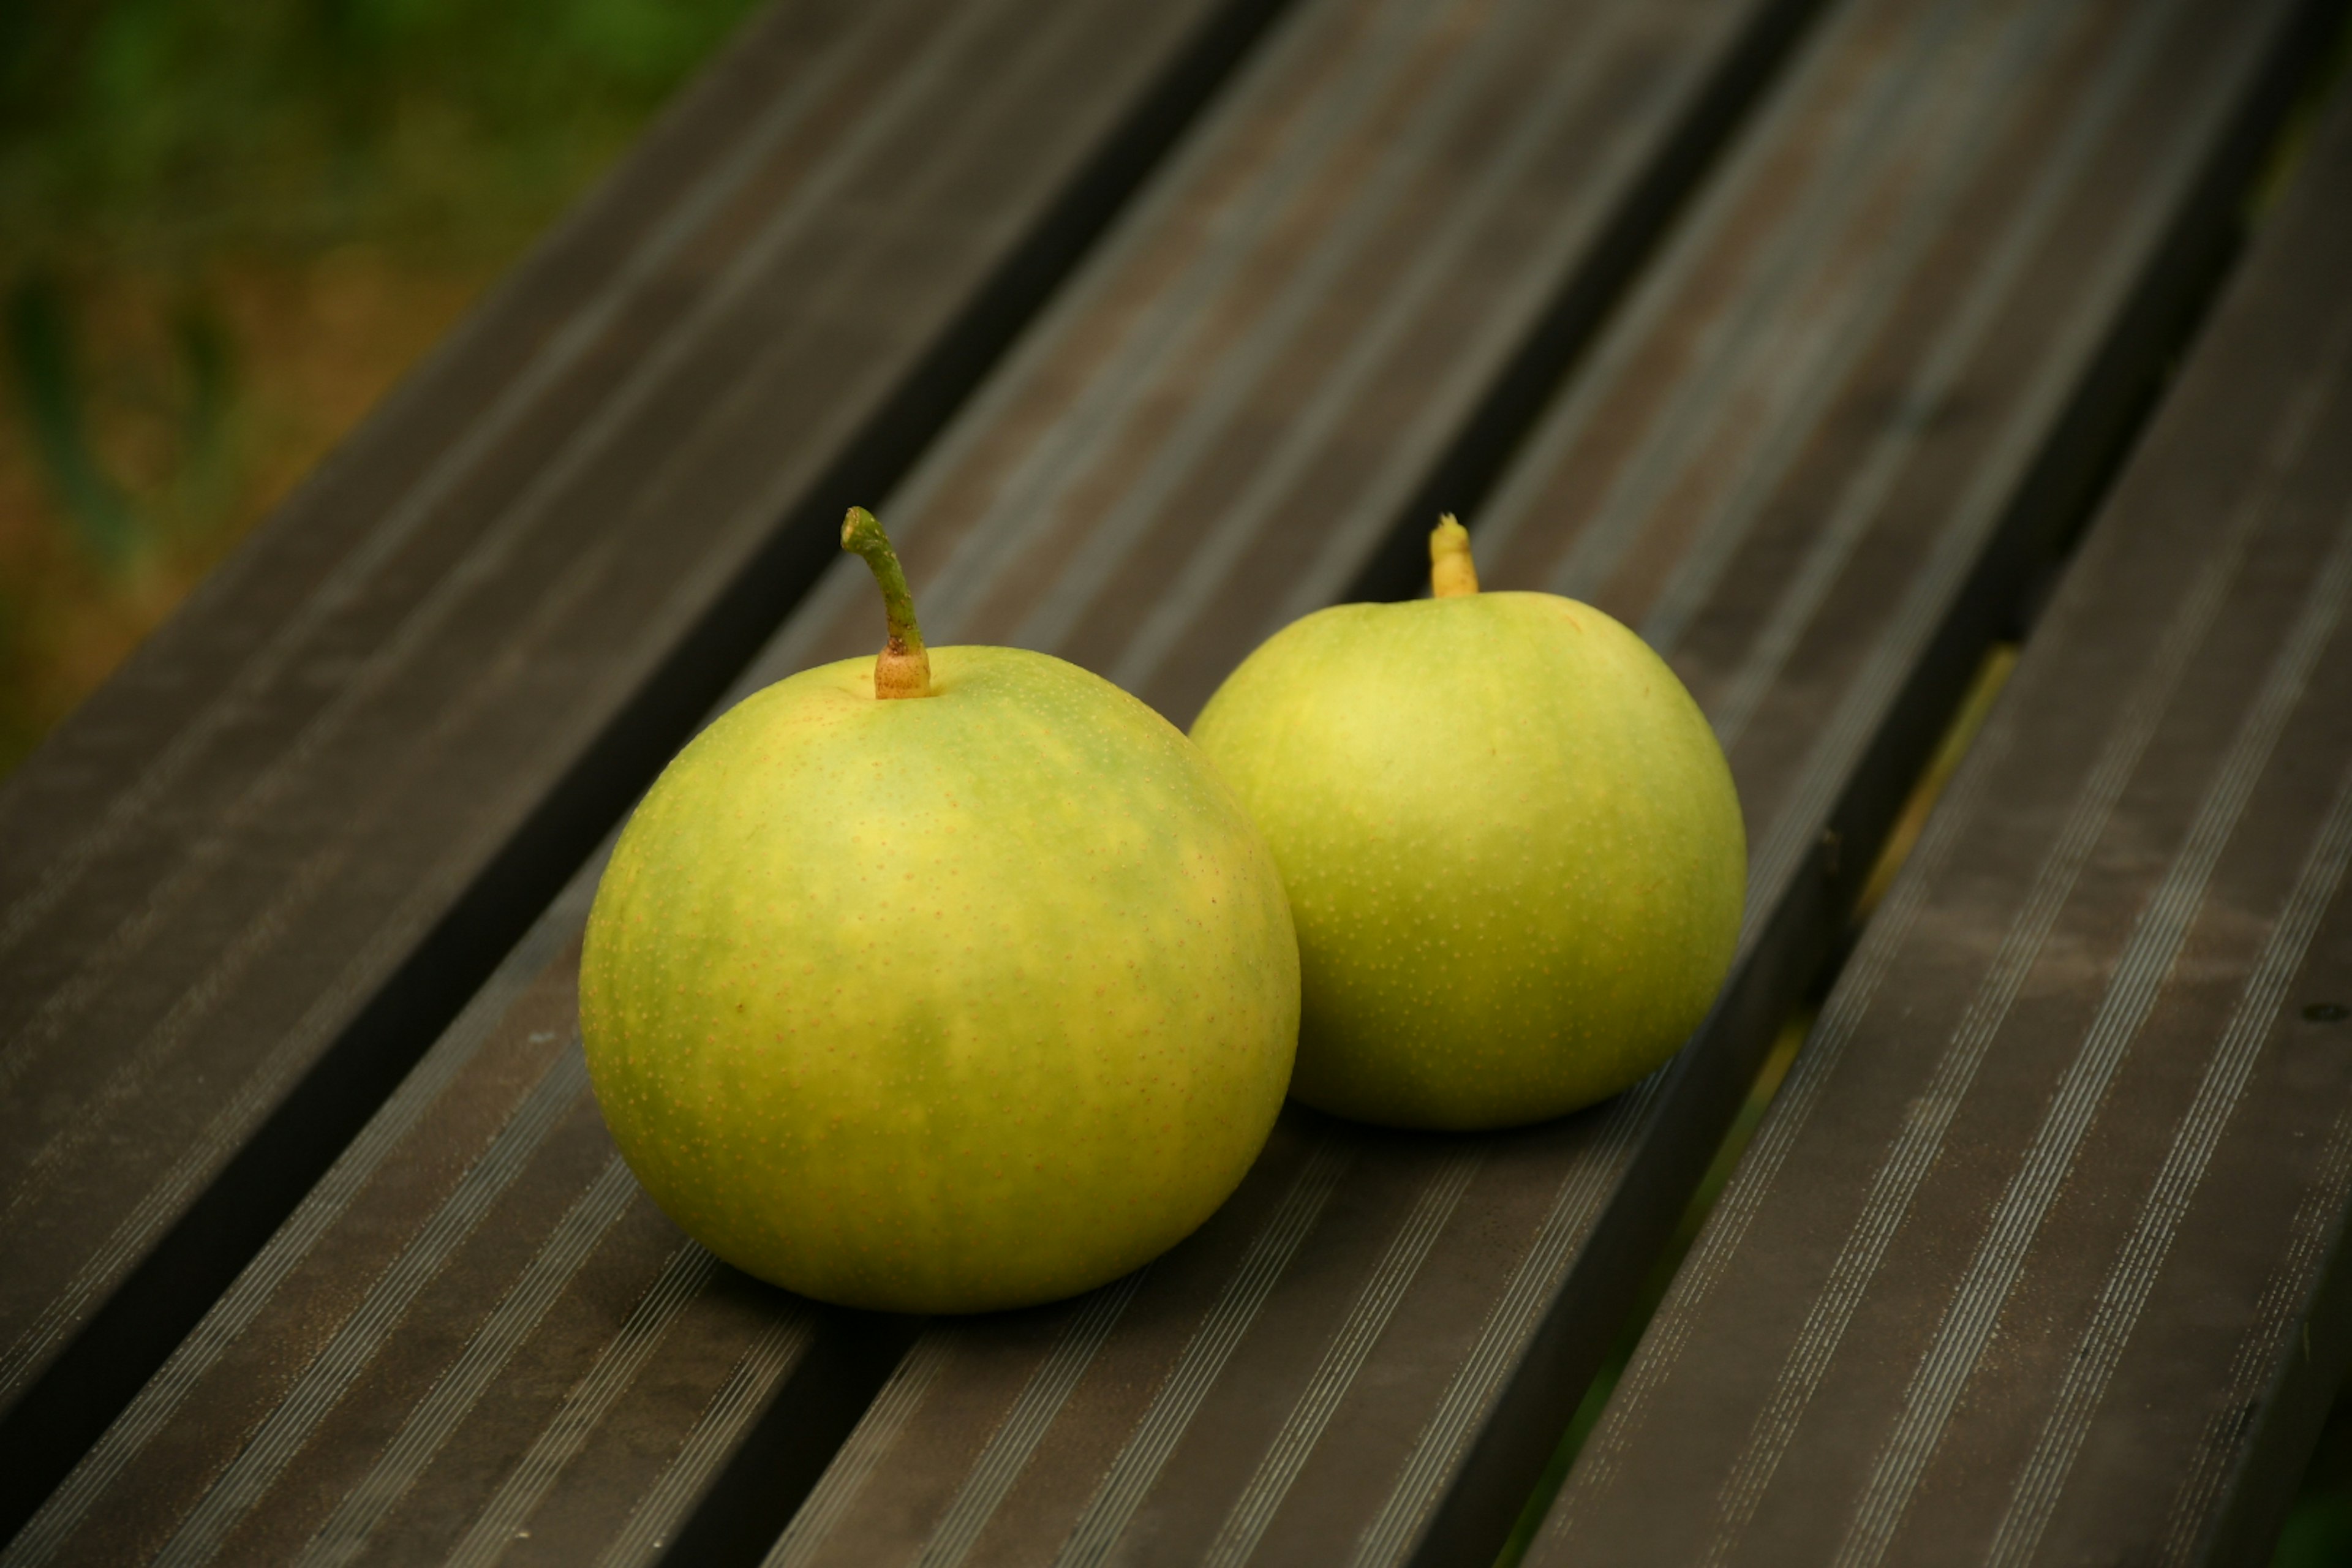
(1512,845)
(944,1004)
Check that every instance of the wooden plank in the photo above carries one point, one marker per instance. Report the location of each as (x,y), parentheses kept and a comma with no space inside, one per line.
(476,1300)
(2041,1255)
(447,1345)
(246,885)
(1823,441)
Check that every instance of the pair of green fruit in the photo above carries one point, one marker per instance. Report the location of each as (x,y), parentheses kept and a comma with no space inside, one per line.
(959,979)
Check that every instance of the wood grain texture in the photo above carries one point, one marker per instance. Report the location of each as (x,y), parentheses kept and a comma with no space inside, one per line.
(1360,150)
(2039,1257)
(1816,449)
(243,889)
(1824,438)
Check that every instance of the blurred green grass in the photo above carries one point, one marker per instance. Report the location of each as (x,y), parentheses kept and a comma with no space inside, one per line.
(226,225)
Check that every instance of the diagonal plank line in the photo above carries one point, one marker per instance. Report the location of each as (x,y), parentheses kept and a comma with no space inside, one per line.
(1374,51)
(261,1083)
(1491,347)
(773,367)
(454,1396)
(2133,1276)
(1310,426)
(1662,289)
(1009,1451)
(852,1468)
(2254,1370)
(1022,505)
(1918,1145)
(162,1201)
(1791,835)
(1959,541)
(1212,1344)
(1736,1211)
(1304,291)
(133,1073)
(739,1401)
(167,1393)
(1880,135)
(1438,1451)
(564,350)
(506,535)
(687,1273)
(2146,963)
(336,1367)
(1803,378)
(1247,1522)
(502,536)
(1870,483)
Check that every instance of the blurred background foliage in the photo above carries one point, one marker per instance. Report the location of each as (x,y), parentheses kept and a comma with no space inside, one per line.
(225,227)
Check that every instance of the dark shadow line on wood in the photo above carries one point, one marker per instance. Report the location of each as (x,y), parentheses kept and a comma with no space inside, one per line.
(2283,1425)
(2284,1422)
(778,1463)
(1805,937)
(123,1343)
(1479,452)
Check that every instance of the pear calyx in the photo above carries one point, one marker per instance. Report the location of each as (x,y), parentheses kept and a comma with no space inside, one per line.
(1450,571)
(902,668)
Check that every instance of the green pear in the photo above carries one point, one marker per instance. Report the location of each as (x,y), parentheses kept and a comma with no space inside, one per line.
(948,981)
(1512,845)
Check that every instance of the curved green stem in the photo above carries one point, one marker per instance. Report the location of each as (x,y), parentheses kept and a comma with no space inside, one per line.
(903,668)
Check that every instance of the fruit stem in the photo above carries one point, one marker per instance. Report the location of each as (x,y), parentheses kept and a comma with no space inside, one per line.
(903,668)
(1451,571)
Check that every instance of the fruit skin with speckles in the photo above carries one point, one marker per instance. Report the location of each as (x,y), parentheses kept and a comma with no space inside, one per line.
(1512,844)
(947,1004)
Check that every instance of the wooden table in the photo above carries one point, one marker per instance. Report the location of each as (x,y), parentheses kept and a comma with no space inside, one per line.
(1808,339)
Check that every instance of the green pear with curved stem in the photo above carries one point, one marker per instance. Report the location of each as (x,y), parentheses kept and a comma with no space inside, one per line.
(945,981)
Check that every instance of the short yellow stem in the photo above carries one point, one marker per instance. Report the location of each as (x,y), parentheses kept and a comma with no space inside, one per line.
(1450,571)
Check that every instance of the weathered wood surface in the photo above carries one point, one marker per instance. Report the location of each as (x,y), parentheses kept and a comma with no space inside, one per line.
(1816,454)
(1812,459)
(2041,1255)
(476,1326)
(244,888)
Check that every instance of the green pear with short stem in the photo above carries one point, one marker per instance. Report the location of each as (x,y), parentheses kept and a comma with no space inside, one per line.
(1513,849)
